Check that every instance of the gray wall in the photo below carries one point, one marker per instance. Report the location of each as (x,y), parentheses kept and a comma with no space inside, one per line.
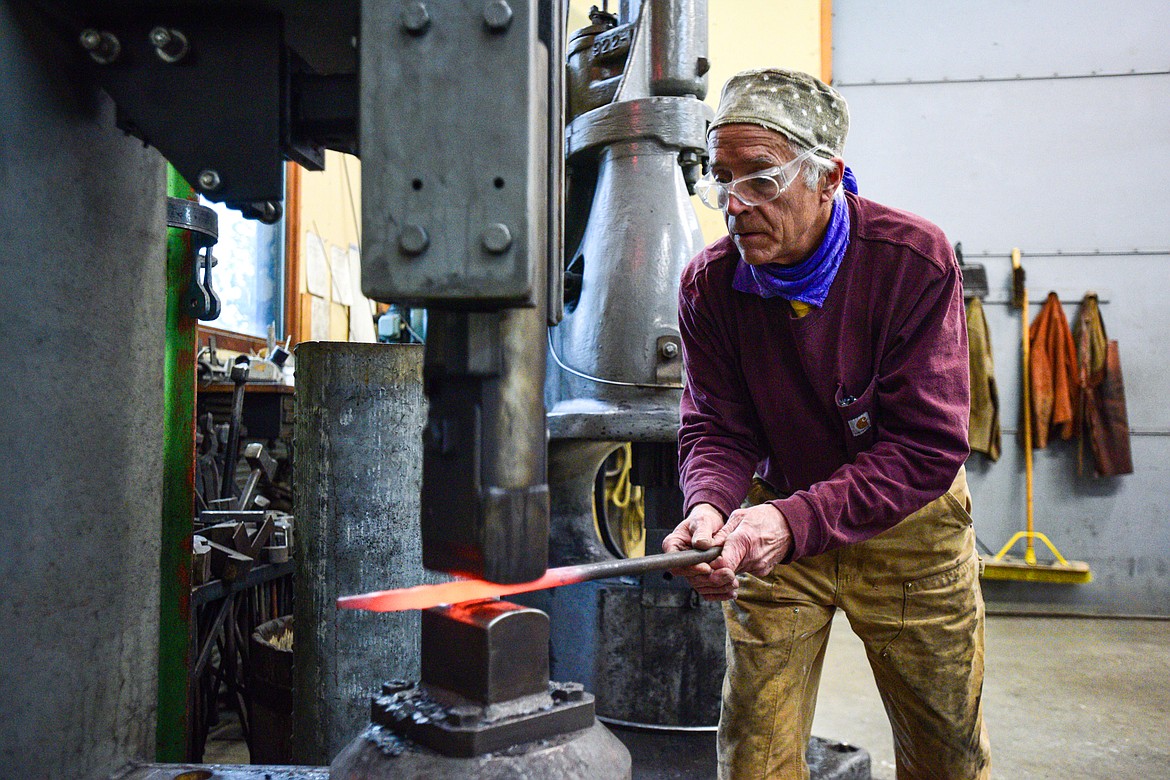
(1043,126)
(82,262)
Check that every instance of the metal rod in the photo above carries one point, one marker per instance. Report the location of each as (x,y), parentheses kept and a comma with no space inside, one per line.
(1075,254)
(628,567)
(231,453)
(1063,302)
(178,490)
(1132,431)
(458,591)
(1026,376)
(997,79)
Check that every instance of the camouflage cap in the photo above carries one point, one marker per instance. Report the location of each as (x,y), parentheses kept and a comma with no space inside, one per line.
(802,108)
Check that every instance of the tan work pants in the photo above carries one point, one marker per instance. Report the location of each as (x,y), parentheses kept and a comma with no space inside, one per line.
(912,595)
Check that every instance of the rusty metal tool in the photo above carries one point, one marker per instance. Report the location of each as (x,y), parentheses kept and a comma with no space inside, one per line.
(239,377)
(457,591)
(263,469)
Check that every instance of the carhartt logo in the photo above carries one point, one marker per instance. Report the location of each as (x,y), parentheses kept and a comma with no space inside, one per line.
(860,424)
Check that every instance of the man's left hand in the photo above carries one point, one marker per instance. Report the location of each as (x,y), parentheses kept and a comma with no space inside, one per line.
(754,540)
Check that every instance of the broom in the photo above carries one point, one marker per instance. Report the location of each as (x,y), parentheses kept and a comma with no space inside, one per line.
(1028,569)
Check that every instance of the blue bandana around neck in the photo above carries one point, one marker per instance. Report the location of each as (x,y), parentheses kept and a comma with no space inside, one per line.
(807,281)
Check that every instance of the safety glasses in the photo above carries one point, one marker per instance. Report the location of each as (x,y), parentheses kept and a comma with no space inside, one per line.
(755,188)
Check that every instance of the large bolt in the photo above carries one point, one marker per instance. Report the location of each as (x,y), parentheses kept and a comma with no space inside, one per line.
(669,350)
(496,238)
(413,240)
(103,47)
(416,18)
(267,211)
(209,180)
(497,14)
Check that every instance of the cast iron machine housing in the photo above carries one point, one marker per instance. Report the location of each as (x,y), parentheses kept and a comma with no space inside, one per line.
(636,142)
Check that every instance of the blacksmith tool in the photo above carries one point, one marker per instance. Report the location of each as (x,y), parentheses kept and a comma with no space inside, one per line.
(457,591)
(263,470)
(239,376)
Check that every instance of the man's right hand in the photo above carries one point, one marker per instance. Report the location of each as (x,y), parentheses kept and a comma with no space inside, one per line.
(697,532)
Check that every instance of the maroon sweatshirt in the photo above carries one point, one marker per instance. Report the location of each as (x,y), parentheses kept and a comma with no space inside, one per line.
(856,412)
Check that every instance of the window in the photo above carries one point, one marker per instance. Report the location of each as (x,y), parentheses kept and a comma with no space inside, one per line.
(249,277)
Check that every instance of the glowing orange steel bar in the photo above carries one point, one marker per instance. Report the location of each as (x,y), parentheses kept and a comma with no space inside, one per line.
(427,596)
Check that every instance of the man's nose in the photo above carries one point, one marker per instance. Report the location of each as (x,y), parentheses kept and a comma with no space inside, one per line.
(735,206)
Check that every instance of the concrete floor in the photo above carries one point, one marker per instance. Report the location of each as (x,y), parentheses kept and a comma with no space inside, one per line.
(1063,698)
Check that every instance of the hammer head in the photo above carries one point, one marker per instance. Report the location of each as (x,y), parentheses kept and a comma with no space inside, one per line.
(259,459)
(239,372)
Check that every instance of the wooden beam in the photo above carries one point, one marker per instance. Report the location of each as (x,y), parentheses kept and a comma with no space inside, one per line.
(229,340)
(292,254)
(827,41)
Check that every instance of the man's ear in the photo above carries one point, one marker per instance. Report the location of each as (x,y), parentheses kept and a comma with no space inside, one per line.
(832,179)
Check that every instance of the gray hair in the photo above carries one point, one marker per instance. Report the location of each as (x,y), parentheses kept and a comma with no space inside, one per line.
(815,167)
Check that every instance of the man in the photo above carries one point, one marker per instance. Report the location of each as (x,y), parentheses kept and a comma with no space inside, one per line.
(827,382)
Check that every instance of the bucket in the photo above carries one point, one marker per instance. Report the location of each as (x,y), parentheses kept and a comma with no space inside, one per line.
(270,686)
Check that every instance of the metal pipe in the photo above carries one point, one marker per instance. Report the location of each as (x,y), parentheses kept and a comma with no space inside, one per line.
(358,440)
(174,648)
(239,376)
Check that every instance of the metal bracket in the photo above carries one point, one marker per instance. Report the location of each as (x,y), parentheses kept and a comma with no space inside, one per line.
(208,90)
(678,122)
(202,301)
(668,370)
(201,220)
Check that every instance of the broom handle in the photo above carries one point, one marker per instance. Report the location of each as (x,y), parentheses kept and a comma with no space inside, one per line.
(1030,552)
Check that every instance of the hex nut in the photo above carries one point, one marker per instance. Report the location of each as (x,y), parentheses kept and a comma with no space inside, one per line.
(496,238)
(669,350)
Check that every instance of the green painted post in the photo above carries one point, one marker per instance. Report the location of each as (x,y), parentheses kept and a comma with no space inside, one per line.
(174,645)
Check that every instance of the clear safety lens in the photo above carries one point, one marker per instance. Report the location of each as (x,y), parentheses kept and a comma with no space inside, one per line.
(752,190)
(712,193)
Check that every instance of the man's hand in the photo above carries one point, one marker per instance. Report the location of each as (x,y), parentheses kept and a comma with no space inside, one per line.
(754,540)
(698,532)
